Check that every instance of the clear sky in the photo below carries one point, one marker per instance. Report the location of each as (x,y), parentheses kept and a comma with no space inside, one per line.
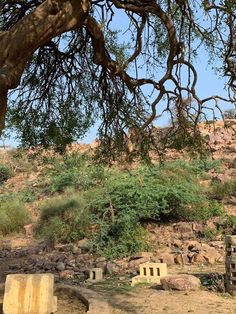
(208,82)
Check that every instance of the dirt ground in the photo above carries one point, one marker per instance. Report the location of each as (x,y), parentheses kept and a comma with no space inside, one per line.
(145,299)
(151,301)
(65,305)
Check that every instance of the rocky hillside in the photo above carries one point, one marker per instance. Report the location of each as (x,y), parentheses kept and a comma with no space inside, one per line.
(36,178)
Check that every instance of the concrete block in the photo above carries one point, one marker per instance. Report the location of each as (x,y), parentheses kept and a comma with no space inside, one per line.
(29,294)
(150,273)
(96,274)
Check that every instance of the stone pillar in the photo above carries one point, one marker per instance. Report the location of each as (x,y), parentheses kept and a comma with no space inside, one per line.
(230,264)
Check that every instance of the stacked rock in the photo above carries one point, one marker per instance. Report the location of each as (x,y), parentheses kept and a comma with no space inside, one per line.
(230,264)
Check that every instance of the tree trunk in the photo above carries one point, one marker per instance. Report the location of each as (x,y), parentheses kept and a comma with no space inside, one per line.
(50,19)
(3,108)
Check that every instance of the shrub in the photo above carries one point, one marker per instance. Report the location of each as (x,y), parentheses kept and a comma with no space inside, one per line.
(5,173)
(167,193)
(28,195)
(64,219)
(221,190)
(75,171)
(210,233)
(116,203)
(13,216)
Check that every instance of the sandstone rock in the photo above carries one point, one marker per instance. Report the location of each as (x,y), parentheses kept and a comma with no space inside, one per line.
(167,258)
(112,268)
(181,259)
(211,255)
(66,274)
(217,244)
(180,282)
(29,230)
(177,243)
(198,258)
(134,264)
(147,255)
(64,247)
(193,246)
(183,227)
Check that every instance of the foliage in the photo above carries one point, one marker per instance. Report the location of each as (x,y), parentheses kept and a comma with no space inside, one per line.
(210,233)
(220,190)
(87,74)
(5,173)
(74,171)
(13,216)
(167,193)
(64,219)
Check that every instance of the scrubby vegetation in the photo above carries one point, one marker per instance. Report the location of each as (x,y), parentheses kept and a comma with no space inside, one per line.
(13,216)
(5,173)
(110,206)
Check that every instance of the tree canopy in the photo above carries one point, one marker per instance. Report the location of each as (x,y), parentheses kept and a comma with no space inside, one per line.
(65,64)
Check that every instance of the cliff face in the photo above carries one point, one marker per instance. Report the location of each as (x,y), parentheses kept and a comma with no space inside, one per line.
(221,138)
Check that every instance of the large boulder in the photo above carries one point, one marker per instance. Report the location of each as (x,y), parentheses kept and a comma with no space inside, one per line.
(180,282)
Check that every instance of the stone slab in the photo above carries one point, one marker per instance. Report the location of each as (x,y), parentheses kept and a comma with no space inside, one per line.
(29,294)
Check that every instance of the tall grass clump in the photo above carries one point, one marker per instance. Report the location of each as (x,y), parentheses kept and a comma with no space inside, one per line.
(13,216)
(5,173)
(64,219)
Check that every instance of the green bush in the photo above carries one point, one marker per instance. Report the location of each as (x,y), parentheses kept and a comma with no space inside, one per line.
(117,203)
(5,173)
(221,190)
(210,233)
(166,193)
(75,171)
(13,216)
(64,218)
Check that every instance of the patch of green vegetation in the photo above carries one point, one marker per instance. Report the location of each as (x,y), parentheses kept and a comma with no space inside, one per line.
(64,219)
(117,203)
(74,171)
(221,190)
(28,195)
(210,233)
(13,216)
(5,173)
(110,206)
(164,193)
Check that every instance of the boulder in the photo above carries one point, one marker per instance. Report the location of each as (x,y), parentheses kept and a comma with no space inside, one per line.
(181,259)
(183,227)
(134,264)
(60,266)
(112,268)
(180,282)
(66,274)
(211,255)
(193,246)
(147,255)
(167,258)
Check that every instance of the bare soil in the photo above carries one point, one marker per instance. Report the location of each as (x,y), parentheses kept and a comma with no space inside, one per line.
(144,299)
(151,301)
(65,304)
